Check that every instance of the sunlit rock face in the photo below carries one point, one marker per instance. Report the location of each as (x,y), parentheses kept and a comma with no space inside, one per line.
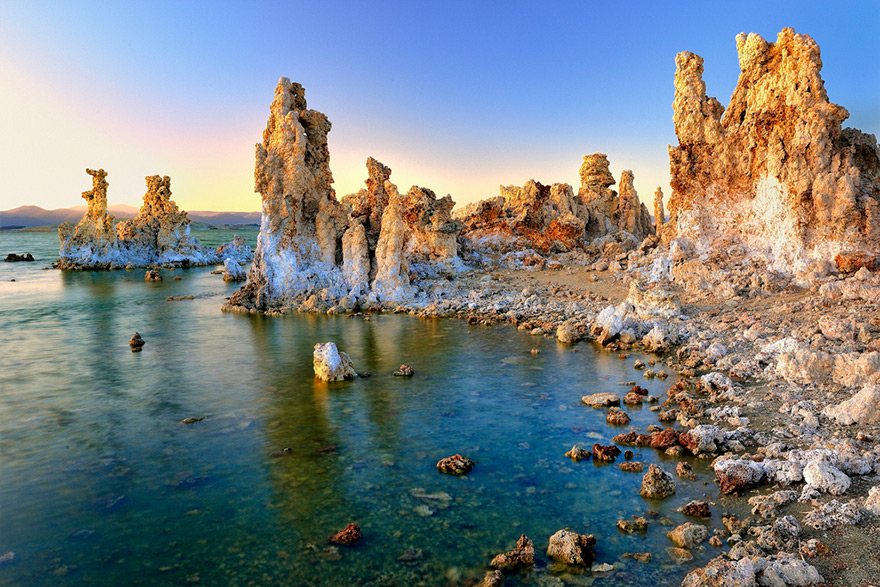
(160,231)
(633,216)
(553,218)
(775,171)
(659,212)
(158,235)
(94,237)
(315,252)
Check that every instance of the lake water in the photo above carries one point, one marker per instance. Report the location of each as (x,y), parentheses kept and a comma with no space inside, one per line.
(101,483)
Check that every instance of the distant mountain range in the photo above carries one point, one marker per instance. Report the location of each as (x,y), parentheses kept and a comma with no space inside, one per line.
(29,216)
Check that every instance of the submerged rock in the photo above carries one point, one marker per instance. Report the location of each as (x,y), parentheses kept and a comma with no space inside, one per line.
(348,535)
(688,535)
(404,371)
(601,400)
(331,364)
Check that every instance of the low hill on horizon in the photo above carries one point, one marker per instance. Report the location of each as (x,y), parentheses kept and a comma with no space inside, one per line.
(30,216)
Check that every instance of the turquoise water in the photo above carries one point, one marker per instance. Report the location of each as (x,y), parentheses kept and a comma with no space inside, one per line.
(101,483)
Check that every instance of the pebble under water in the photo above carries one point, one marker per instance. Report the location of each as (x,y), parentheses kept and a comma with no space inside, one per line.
(102,484)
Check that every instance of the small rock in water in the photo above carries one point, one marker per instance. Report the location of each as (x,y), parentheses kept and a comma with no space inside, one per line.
(177,278)
(657,483)
(404,371)
(424,511)
(684,470)
(348,535)
(638,524)
(455,465)
(136,342)
(179,298)
(331,364)
(679,555)
(697,509)
(577,453)
(521,557)
(631,466)
(617,417)
(7,557)
(492,579)
(536,351)
(572,548)
(13,258)
(192,420)
(152,275)
(605,453)
(603,568)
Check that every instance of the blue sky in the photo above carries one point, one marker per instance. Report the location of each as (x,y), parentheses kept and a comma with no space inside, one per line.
(455,96)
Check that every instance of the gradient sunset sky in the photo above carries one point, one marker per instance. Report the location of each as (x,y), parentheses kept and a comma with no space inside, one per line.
(455,96)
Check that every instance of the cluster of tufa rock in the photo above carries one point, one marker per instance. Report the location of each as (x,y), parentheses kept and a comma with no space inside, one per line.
(315,251)
(774,173)
(158,235)
(553,218)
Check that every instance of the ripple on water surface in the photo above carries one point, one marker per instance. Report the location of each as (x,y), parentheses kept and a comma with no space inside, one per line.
(103,484)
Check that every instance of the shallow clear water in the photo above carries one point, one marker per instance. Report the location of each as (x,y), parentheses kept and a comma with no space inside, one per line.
(101,483)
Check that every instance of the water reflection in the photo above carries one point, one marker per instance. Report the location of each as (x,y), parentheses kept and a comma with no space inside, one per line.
(103,484)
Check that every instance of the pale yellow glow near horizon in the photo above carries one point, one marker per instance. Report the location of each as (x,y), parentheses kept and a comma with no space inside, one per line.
(50,136)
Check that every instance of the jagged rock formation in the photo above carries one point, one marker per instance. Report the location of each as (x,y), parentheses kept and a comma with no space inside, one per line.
(315,251)
(160,230)
(775,171)
(95,233)
(552,218)
(633,216)
(659,212)
(158,235)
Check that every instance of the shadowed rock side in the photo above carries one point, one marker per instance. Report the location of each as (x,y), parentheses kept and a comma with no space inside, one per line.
(775,171)
(158,235)
(315,252)
(552,218)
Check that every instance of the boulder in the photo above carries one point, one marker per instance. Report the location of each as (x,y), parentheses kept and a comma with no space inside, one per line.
(861,408)
(687,535)
(657,483)
(826,477)
(572,548)
(567,333)
(330,364)
(735,475)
